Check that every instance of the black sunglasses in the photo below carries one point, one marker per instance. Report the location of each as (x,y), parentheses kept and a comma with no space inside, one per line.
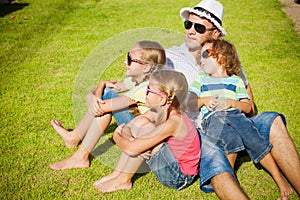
(200,28)
(130,60)
(206,53)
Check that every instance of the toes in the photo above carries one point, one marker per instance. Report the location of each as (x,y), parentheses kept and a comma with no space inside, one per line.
(56,123)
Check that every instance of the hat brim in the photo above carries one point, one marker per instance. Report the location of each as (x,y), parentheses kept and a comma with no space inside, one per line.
(185,13)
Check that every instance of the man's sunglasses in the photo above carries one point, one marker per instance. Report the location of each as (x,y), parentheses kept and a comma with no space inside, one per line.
(200,28)
(130,60)
(148,90)
(206,53)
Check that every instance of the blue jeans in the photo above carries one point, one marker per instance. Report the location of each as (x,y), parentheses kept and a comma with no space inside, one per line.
(122,116)
(213,162)
(234,132)
(167,170)
(263,122)
(213,159)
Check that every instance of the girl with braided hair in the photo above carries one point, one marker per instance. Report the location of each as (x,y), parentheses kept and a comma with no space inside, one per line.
(104,102)
(164,136)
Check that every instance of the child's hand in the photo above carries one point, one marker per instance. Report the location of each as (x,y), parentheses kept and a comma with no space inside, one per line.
(223,104)
(211,102)
(113,84)
(119,130)
(93,104)
(146,155)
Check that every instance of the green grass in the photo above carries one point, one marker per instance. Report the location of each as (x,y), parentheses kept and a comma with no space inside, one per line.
(54,51)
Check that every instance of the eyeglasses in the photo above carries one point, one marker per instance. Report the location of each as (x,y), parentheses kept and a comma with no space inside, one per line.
(148,90)
(206,53)
(200,28)
(130,60)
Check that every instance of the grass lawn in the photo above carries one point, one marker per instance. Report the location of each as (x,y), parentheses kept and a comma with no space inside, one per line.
(53,52)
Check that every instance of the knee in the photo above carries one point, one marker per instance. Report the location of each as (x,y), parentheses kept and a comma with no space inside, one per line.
(278,129)
(278,122)
(222,179)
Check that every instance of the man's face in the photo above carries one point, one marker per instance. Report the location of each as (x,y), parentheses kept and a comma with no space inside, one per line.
(193,38)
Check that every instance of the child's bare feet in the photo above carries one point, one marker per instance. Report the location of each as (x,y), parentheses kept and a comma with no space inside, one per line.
(70,163)
(71,140)
(106,178)
(113,185)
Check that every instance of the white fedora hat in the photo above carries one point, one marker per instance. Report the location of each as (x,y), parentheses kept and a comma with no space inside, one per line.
(209,9)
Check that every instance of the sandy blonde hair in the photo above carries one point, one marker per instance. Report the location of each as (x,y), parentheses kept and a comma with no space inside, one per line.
(175,86)
(152,53)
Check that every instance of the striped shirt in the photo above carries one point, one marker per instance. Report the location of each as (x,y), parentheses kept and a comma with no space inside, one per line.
(225,88)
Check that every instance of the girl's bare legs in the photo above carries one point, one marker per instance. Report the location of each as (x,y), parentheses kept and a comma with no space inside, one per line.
(80,159)
(120,178)
(72,138)
(269,164)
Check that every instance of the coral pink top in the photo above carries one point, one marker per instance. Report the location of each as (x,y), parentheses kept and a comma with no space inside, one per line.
(187,150)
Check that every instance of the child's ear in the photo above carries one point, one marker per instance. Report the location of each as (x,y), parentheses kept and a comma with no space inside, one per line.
(147,68)
(163,101)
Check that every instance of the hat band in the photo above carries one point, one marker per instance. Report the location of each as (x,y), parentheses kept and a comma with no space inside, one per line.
(209,13)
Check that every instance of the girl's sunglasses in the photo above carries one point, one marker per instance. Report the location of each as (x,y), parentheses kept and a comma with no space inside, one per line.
(130,60)
(206,53)
(148,90)
(200,28)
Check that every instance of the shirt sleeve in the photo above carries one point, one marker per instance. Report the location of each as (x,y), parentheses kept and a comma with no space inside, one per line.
(196,85)
(241,90)
(138,94)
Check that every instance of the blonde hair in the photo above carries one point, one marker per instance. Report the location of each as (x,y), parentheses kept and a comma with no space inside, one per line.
(226,55)
(153,54)
(175,86)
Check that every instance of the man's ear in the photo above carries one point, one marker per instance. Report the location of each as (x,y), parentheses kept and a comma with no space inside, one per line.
(216,34)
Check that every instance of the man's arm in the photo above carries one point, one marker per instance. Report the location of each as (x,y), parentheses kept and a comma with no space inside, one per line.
(253,107)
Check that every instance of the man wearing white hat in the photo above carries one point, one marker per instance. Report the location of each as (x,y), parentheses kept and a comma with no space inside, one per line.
(202,22)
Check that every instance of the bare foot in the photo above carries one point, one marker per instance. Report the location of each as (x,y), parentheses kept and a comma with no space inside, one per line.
(113,185)
(106,178)
(285,189)
(70,163)
(71,140)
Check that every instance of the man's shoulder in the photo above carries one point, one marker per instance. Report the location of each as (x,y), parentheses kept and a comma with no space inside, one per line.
(182,49)
(180,59)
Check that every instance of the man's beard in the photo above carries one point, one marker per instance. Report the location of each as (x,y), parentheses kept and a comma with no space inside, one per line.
(192,45)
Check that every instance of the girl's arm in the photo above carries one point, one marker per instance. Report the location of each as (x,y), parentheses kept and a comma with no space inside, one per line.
(107,83)
(139,145)
(117,103)
(121,86)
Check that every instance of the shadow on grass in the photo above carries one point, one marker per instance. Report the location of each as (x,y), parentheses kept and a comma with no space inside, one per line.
(242,157)
(107,144)
(6,9)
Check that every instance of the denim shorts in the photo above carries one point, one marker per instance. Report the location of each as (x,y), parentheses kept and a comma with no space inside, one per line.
(213,162)
(233,132)
(167,170)
(213,159)
(122,116)
(263,122)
